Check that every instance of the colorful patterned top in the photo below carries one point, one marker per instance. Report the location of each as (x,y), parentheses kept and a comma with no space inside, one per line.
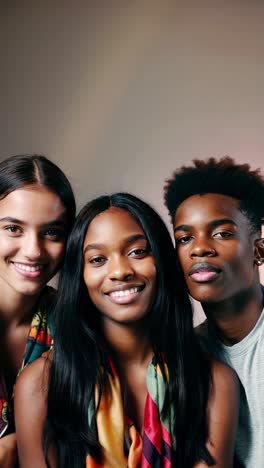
(39,340)
(123,446)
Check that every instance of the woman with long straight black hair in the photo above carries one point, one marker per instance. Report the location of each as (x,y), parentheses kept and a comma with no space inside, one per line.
(126,384)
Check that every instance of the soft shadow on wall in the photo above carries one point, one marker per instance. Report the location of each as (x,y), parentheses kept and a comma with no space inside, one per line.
(120,93)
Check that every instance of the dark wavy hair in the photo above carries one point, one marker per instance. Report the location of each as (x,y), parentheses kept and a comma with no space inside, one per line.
(18,171)
(78,362)
(223,176)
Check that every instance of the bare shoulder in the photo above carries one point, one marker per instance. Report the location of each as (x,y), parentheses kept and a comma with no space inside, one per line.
(224,398)
(223,411)
(30,398)
(224,378)
(34,378)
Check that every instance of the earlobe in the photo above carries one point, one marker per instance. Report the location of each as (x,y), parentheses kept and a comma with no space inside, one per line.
(259,251)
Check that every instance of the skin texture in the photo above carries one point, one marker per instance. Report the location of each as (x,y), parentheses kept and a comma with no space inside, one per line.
(32,232)
(121,260)
(226,245)
(8,451)
(223,412)
(118,264)
(32,237)
(214,236)
(31,392)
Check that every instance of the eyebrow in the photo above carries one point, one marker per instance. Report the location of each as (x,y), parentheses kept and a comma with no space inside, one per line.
(9,219)
(128,240)
(215,223)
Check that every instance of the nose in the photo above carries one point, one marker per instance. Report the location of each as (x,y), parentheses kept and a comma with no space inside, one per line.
(202,247)
(33,247)
(120,269)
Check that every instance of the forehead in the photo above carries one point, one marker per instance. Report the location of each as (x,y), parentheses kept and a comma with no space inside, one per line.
(33,204)
(114,223)
(205,208)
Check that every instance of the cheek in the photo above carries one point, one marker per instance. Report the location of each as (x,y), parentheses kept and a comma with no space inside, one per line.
(152,270)
(151,274)
(241,271)
(146,268)
(92,280)
(240,260)
(7,245)
(56,252)
(183,260)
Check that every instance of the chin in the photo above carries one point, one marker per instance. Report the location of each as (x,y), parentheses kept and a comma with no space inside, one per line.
(31,291)
(206,294)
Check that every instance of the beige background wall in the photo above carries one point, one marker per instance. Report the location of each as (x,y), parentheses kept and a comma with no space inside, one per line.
(119,93)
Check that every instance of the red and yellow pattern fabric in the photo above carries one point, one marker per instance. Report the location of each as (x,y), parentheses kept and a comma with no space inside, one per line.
(4,407)
(39,340)
(123,446)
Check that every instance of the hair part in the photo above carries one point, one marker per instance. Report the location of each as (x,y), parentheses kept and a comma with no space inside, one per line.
(223,176)
(20,170)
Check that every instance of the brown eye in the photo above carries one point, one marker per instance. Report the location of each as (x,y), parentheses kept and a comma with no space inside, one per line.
(139,253)
(223,235)
(13,229)
(97,261)
(54,234)
(183,240)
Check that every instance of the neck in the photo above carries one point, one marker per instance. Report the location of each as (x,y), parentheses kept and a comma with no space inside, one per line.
(15,308)
(128,343)
(235,317)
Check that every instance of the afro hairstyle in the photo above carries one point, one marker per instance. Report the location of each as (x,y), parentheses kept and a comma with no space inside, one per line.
(223,176)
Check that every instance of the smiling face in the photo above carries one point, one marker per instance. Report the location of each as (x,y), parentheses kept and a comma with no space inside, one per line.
(32,239)
(215,247)
(119,269)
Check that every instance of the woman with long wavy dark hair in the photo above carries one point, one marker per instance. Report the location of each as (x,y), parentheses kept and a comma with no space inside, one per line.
(126,384)
(37,210)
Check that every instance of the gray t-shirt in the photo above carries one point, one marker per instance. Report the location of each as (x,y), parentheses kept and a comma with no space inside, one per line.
(247,359)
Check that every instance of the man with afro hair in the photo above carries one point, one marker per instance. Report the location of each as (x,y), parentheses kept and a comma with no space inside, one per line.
(217,209)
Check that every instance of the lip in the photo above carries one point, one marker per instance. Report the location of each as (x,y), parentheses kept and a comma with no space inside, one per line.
(124,287)
(125,294)
(28,270)
(204,272)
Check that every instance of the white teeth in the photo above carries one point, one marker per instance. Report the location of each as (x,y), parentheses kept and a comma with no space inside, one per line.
(126,292)
(32,269)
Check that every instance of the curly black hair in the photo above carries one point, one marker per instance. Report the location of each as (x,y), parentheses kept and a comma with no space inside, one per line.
(223,176)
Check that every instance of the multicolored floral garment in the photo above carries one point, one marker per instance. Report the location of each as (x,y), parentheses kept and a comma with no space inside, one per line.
(39,340)
(123,446)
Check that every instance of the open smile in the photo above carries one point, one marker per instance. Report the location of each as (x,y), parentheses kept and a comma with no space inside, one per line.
(125,295)
(28,270)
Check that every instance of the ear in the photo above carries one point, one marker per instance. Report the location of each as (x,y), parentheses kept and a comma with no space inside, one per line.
(259,251)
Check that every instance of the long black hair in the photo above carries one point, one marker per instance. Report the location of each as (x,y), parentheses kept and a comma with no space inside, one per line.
(78,360)
(21,170)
